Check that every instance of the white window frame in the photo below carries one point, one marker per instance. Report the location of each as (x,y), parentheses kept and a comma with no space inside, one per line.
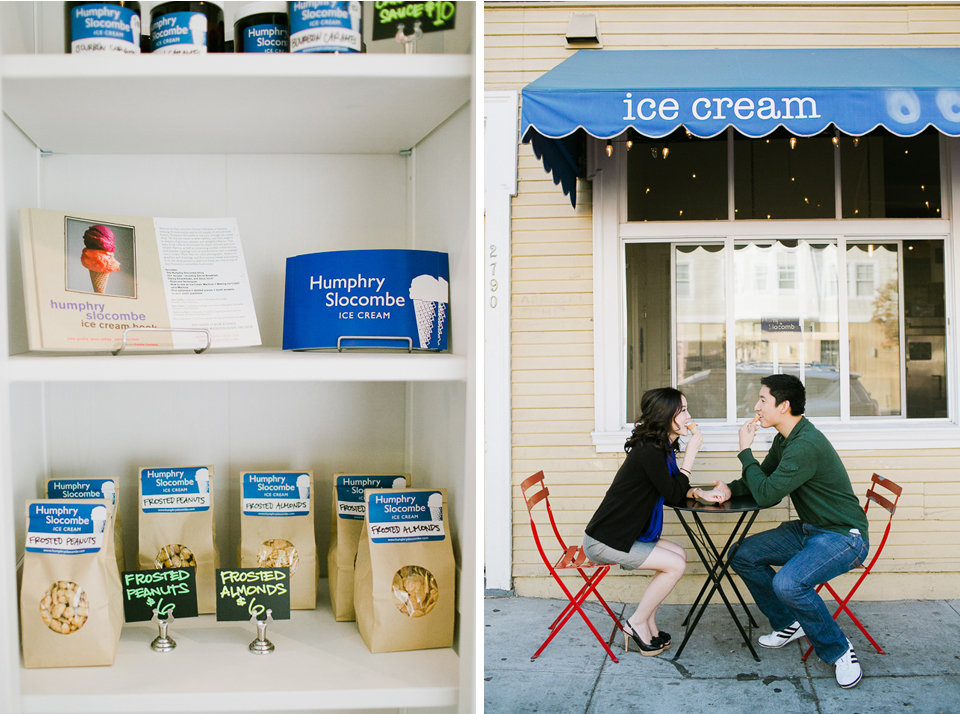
(611,232)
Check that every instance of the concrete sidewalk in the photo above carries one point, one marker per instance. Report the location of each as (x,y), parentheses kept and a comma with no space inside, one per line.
(920,674)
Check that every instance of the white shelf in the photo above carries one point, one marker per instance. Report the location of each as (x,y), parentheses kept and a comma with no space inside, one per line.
(240,104)
(318,664)
(253,365)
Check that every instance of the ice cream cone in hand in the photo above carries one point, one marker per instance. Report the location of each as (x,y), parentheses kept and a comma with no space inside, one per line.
(97,256)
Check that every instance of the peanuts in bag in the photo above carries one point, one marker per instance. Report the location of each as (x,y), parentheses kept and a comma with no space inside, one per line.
(346,527)
(71,607)
(276,529)
(177,526)
(405,579)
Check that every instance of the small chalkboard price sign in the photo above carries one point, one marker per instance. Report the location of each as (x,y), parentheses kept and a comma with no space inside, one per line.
(173,590)
(433,17)
(243,593)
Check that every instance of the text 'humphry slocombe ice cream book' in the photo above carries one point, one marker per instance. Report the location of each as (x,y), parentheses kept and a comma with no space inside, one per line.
(89,280)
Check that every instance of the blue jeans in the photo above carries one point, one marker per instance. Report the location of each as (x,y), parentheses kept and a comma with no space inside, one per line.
(809,556)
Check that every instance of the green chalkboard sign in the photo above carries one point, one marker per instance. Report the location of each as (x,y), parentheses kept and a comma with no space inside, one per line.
(243,593)
(432,16)
(170,590)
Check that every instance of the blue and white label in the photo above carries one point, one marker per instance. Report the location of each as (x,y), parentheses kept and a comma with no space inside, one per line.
(405,517)
(100,27)
(179,33)
(367,298)
(66,529)
(325,26)
(174,490)
(273,494)
(266,38)
(83,488)
(350,489)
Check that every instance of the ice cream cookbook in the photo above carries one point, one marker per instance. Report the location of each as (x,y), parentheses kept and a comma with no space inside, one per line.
(94,282)
(367,299)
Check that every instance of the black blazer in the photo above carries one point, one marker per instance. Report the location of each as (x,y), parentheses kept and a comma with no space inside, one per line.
(625,511)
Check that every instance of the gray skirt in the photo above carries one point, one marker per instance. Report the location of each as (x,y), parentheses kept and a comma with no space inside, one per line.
(603,554)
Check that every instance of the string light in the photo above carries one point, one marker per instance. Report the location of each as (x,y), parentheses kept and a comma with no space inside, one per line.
(856,142)
(609,148)
(793,142)
(666,152)
(653,151)
(922,187)
(836,141)
(629,144)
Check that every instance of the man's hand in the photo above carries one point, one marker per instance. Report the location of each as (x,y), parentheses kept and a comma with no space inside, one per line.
(713,496)
(746,433)
(724,491)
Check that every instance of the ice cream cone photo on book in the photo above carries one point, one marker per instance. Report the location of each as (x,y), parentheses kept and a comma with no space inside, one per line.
(106,258)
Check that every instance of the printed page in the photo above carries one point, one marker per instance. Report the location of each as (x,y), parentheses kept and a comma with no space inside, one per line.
(205,281)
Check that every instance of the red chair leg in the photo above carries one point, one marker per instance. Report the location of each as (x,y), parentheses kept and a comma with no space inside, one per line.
(597,595)
(575,603)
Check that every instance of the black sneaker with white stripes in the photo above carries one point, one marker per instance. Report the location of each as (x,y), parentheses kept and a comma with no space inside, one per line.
(776,640)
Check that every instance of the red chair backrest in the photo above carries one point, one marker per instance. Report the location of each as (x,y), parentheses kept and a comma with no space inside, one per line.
(884,502)
(539,492)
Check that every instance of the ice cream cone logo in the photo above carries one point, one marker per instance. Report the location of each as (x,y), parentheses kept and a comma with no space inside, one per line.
(99,517)
(97,256)
(110,492)
(435,502)
(430,296)
(355,13)
(303,485)
(203,480)
(399,483)
(198,29)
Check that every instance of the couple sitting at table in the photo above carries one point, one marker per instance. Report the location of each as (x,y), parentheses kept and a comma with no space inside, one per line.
(829,538)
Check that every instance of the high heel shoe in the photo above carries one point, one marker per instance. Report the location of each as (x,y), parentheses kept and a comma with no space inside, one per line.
(646,650)
(661,640)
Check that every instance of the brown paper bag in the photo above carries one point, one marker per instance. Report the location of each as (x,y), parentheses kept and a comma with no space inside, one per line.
(71,607)
(177,526)
(405,580)
(92,488)
(346,527)
(276,529)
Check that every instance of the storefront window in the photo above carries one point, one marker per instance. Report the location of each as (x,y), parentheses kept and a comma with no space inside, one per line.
(782,176)
(886,176)
(677,178)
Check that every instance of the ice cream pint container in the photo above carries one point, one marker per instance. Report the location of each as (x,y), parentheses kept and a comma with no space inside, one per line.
(261,27)
(325,26)
(186,28)
(92,488)
(367,299)
(102,27)
(349,510)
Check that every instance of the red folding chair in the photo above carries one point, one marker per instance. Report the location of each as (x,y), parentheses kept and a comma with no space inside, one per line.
(891,508)
(573,558)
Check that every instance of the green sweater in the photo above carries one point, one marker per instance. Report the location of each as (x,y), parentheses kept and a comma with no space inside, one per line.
(806,467)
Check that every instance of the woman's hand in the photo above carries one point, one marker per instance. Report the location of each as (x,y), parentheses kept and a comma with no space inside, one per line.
(724,490)
(713,496)
(693,443)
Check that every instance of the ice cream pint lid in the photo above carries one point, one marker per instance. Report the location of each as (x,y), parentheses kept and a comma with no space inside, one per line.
(350,489)
(102,27)
(397,299)
(405,516)
(175,489)
(256,8)
(325,26)
(65,527)
(276,493)
(82,488)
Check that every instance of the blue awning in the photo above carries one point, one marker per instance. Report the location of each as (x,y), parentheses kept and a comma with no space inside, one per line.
(606,92)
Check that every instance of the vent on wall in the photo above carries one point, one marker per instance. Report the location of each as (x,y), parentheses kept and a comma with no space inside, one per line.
(583,31)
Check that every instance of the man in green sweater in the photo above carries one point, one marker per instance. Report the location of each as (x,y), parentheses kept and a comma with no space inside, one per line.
(829,539)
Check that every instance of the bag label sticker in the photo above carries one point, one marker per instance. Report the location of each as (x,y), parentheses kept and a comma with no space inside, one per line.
(177,489)
(66,529)
(83,488)
(273,494)
(350,490)
(405,517)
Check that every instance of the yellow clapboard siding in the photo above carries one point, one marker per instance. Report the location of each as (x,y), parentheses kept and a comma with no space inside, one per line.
(548,338)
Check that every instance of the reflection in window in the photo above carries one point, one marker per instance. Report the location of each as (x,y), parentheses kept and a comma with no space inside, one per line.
(925,328)
(701,332)
(886,176)
(786,333)
(782,176)
(648,321)
(677,178)
(873,329)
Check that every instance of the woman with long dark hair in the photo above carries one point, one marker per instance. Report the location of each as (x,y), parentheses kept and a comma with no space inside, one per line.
(626,528)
